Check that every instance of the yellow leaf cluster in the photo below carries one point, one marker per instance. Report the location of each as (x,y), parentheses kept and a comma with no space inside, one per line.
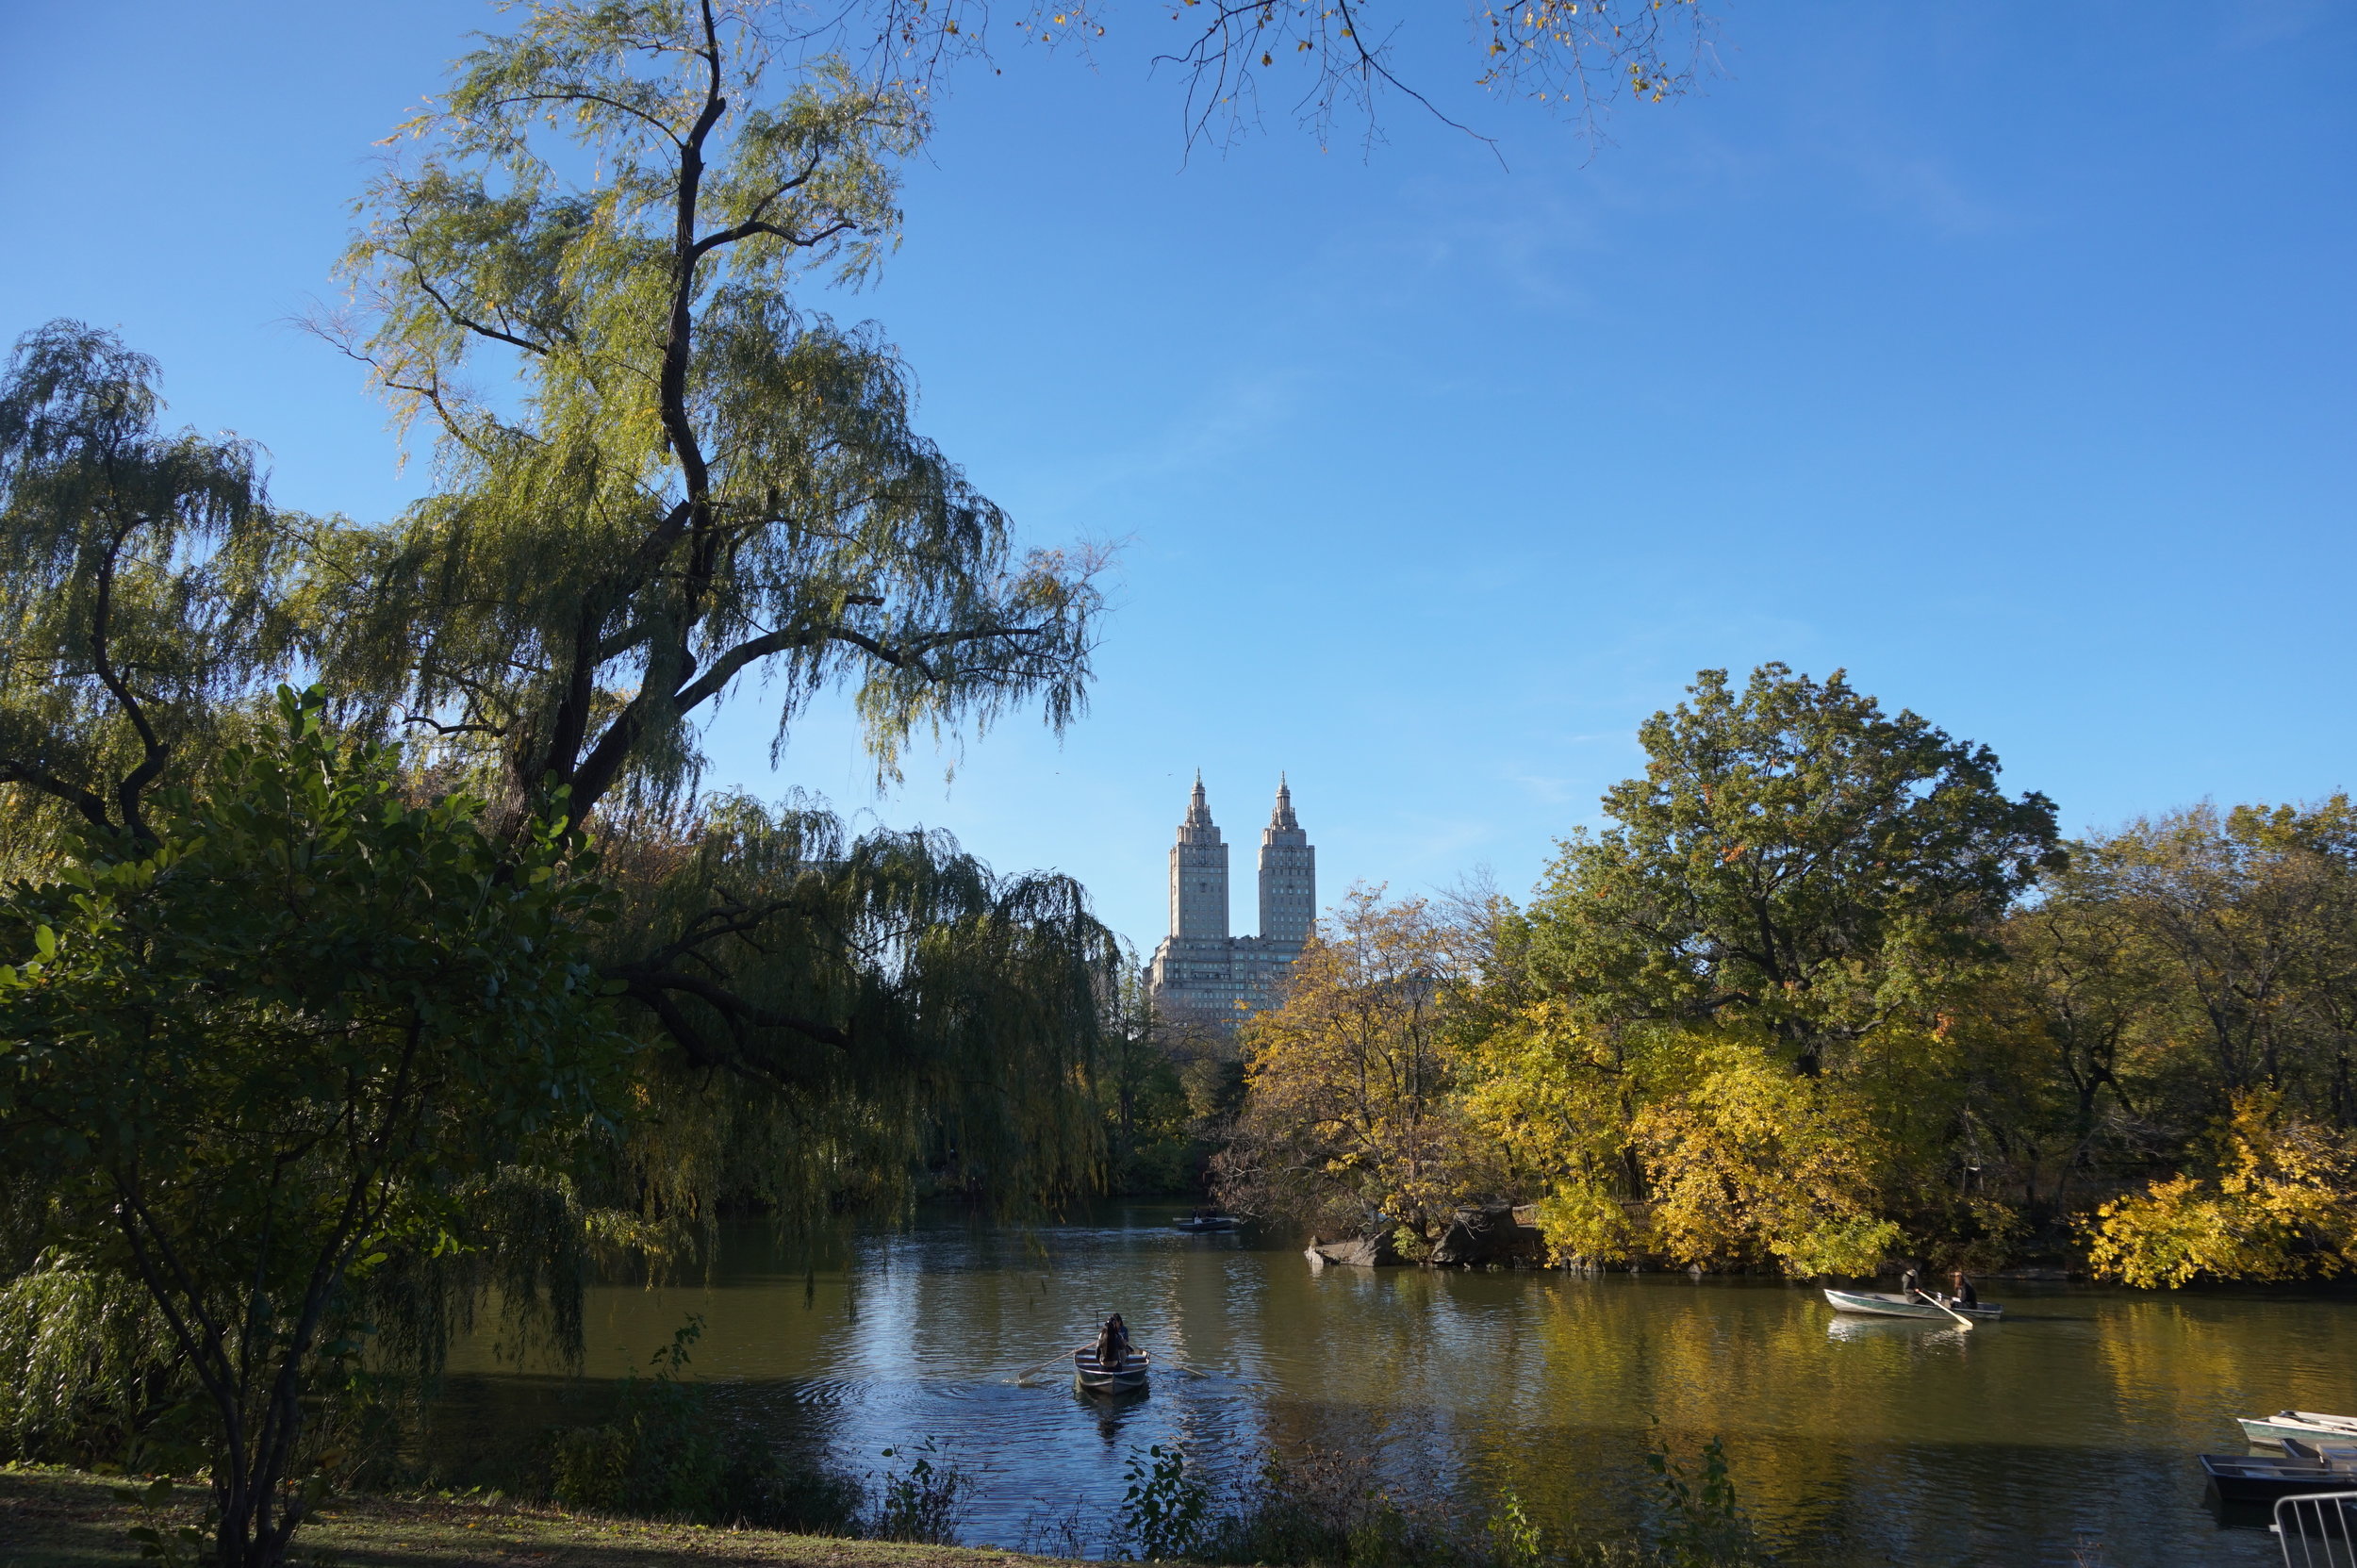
(2282,1207)
(1702,1146)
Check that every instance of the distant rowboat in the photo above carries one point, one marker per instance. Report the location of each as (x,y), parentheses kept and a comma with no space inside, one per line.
(1198,1224)
(1877,1304)
(2308,1425)
(1126,1376)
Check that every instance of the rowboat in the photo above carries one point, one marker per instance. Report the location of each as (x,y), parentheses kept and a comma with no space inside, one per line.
(1879,1304)
(1126,1376)
(1197,1224)
(2336,1456)
(2262,1480)
(2309,1425)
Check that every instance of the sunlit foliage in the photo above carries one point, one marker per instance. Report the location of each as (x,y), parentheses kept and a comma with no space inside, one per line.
(1794,858)
(1821,996)
(2281,1204)
(1350,1105)
(1747,1163)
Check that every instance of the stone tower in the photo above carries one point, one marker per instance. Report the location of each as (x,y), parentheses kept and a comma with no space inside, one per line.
(1202,975)
(1198,874)
(1289,875)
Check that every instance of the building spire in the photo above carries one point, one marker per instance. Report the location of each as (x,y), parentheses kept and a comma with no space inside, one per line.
(1198,808)
(1283,817)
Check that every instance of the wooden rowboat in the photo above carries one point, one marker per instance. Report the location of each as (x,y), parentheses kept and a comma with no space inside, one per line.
(1127,1377)
(2308,1425)
(1199,1223)
(1878,1304)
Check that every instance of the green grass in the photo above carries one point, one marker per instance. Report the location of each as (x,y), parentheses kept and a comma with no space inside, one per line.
(66,1519)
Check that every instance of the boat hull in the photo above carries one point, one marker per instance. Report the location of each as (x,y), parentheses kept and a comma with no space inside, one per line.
(2263,1481)
(1205,1227)
(2307,1425)
(1127,1377)
(1876,1304)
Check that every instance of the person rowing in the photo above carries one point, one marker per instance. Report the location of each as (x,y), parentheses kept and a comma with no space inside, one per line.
(1113,1343)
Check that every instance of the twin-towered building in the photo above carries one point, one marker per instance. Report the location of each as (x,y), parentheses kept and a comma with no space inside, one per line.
(1202,975)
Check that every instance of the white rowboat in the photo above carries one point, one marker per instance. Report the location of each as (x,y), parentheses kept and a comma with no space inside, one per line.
(2308,1426)
(1877,1304)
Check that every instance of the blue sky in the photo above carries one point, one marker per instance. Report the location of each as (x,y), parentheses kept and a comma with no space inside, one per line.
(2000,354)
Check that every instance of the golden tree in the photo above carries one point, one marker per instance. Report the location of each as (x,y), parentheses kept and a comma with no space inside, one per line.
(1349,1112)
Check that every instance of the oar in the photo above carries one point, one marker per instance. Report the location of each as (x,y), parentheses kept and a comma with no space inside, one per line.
(1188,1368)
(1049,1362)
(1945,1308)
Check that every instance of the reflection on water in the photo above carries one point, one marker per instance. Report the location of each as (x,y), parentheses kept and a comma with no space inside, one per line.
(1854,1440)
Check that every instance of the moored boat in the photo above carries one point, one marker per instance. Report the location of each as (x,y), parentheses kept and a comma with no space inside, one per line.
(2260,1479)
(2310,1426)
(1882,1304)
(1125,1375)
(1197,1224)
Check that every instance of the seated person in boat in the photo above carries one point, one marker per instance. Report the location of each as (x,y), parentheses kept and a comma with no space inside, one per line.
(1966,1295)
(1113,1341)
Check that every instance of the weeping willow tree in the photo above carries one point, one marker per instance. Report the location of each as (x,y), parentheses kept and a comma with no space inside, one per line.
(141,599)
(659,481)
(662,481)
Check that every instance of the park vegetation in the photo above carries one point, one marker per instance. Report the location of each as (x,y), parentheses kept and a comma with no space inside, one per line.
(1821,996)
(373,957)
(371,953)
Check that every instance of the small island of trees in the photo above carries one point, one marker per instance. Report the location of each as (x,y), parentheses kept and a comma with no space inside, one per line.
(1820,996)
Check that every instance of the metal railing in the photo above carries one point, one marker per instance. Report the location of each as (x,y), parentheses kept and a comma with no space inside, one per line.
(2318,1529)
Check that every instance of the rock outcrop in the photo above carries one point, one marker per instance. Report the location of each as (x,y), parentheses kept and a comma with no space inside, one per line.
(1372,1251)
(1493,1233)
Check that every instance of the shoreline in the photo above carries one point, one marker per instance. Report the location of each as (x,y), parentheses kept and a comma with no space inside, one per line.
(58,1518)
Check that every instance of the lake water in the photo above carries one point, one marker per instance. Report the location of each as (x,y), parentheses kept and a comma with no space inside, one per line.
(2073,1420)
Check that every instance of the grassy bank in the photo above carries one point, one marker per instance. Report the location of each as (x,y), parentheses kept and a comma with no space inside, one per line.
(66,1519)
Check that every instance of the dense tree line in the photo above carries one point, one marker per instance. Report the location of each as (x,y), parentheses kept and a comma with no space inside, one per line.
(1820,996)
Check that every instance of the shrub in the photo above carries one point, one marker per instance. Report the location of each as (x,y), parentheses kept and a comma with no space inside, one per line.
(925,1502)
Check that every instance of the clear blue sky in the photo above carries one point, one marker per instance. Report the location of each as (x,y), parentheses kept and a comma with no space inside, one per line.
(2000,354)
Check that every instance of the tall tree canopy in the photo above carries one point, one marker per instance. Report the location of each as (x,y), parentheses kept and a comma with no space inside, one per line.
(1348,1110)
(695,479)
(698,484)
(679,485)
(1793,855)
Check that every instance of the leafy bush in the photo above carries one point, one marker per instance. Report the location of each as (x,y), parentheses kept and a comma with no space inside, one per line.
(1167,1506)
(1706,1527)
(2279,1208)
(925,1502)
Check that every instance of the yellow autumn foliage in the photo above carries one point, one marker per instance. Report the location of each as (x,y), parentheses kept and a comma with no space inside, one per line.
(2282,1207)
(1348,1111)
(1553,1096)
(1755,1163)
(1701,1147)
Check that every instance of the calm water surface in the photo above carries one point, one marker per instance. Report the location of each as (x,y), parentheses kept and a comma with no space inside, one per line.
(1853,1442)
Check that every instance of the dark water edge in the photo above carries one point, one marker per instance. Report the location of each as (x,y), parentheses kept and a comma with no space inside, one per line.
(1851,1442)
